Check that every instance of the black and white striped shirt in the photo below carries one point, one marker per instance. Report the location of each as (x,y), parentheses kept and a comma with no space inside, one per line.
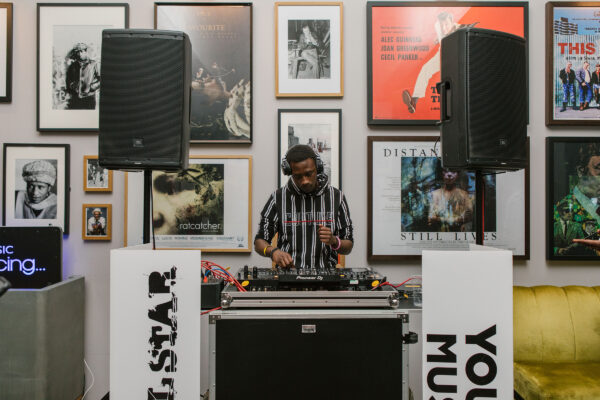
(296,216)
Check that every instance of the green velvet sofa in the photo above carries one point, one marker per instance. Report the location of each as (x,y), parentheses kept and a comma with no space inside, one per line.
(557,342)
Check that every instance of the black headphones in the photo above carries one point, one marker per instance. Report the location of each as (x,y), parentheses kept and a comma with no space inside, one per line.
(286,168)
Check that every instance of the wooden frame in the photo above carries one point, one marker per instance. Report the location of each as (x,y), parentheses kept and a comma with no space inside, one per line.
(327,144)
(572,184)
(406,187)
(65,101)
(573,40)
(95,231)
(102,181)
(307,64)
(6,40)
(25,165)
(221,97)
(403,52)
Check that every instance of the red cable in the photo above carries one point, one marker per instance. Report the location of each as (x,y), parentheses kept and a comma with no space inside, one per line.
(211,310)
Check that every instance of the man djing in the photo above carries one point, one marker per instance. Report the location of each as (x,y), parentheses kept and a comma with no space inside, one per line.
(311,217)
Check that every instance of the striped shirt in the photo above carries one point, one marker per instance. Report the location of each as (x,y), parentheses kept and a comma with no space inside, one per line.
(296,216)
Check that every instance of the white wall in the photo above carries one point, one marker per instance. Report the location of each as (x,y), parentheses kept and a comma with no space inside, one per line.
(17,124)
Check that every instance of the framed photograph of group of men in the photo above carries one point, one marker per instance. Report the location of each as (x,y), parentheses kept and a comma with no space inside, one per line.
(6,29)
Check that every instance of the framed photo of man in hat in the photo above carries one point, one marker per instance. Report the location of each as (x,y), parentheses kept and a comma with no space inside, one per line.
(97,222)
(36,185)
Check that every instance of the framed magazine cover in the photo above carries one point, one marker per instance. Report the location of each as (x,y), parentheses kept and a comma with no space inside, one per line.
(415,205)
(6,39)
(573,192)
(403,52)
(320,129)
(35,184)
(309,49)
(69,41)
(221,37)
(572,63)
(96,222)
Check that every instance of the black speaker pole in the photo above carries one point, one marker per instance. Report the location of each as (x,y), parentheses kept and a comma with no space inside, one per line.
(479,208)
(147,193)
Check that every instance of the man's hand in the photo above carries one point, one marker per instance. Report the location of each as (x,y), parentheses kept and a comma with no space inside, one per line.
(282,259)
(594,244)
(326,236)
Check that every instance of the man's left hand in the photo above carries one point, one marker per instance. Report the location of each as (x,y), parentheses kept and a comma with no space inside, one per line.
(326,236)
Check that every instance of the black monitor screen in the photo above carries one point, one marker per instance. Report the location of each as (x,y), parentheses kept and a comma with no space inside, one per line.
(31,257)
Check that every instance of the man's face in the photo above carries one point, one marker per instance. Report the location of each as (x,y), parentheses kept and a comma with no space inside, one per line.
(37,191)
(82,54)
(306,30)
(597,68)
(446,25)
(566,215)
(304,174)
(449,177)
(586,65)
(97,214)
(589,178)
(569,66)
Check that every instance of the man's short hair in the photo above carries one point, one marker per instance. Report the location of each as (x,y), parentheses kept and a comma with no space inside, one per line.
(587,151)
(300,152)
(444,15)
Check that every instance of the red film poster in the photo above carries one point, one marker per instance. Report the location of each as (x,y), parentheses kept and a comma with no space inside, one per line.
(404,51)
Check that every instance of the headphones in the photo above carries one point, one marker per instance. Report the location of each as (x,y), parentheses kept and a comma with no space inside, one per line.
(287,169)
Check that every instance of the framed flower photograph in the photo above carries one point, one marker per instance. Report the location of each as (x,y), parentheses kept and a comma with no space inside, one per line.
(320,129)
(35,184)
(97,221)
(309,49)
(414,204)
(6,39)
(572,198)
(221,37)
(95,177)
(69,41)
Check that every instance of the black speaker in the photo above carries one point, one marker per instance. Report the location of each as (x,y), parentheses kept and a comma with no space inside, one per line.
(144,99)
(484,100)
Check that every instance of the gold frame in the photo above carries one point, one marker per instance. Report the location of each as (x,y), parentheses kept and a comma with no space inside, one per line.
(85,180)
(84,234)
(310,4)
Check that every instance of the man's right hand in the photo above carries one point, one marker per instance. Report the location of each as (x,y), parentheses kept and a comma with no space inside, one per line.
(282,259)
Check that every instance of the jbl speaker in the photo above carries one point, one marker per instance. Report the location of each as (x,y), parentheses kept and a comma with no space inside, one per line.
(484,100)
(144,99)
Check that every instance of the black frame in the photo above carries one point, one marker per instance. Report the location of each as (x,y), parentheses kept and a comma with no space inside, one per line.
(371,4)
(67,189)
(553,174)
(201,4)
(39,6)
(9,58)
(308,110)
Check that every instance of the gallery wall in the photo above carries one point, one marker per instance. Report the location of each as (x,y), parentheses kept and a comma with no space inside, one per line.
(91,259)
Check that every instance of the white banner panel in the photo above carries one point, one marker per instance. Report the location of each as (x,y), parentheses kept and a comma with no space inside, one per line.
(467,324)
(154,324)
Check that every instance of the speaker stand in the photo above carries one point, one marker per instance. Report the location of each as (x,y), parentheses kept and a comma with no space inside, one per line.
(147,199)
(479,206)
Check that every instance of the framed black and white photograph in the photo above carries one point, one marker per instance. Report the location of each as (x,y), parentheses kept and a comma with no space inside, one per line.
(36,185)
(221,37)
(309,49)
(206,207)
(415,205)
(6,39)
(97,222)
(573,193)
(95,177)
(320,129)
(68,60)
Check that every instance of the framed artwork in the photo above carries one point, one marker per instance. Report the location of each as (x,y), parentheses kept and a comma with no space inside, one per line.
(221,37)
(320,129)
(6,30)
(97,222)
(35,184)
(415,205)
(403,52)
(309,49)
(573,192)
(572,63)
(69,43)
(95,177)
(207,207)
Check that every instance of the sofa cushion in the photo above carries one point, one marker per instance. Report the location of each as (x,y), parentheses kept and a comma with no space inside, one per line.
(557,381)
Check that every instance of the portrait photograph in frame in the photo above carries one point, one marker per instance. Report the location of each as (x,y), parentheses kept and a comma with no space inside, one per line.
(415,205)
(572,63)
(221,37)
(403,52)
(6,39)
(309,49)
(95,177)
(35,185)
(69,42)
(572,185)
(97,222)
(320,129)
(207,207)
